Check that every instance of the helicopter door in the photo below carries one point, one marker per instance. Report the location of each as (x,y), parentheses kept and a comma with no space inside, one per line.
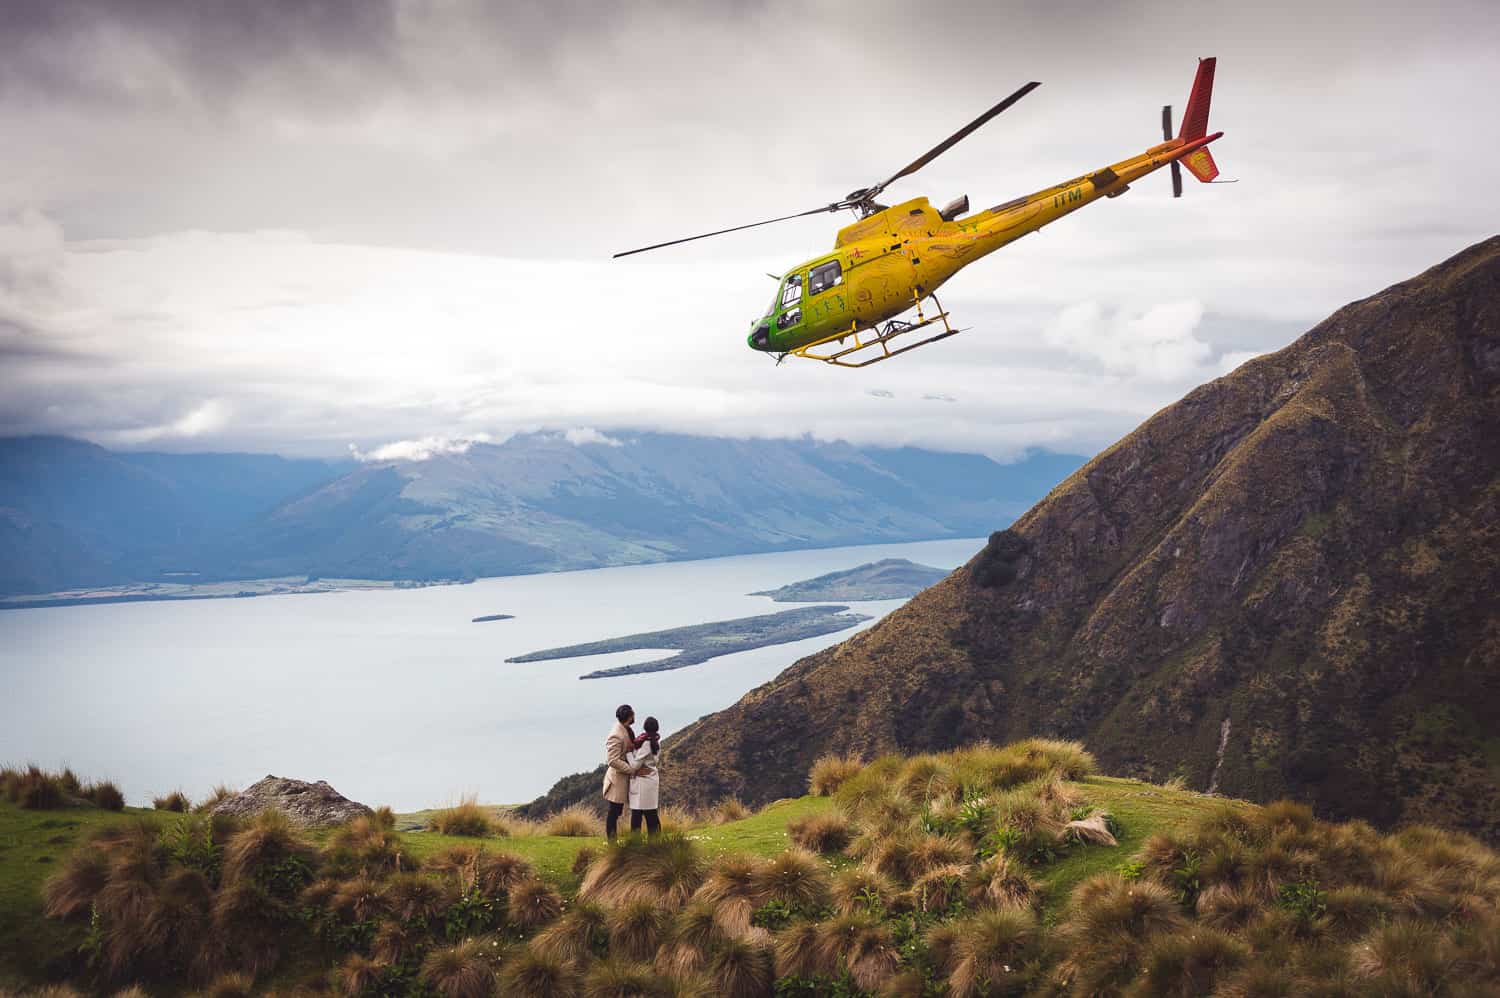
(791,302)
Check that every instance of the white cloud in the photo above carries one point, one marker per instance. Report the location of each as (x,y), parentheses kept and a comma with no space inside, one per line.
(203,420)
(580,435)
(1157,344)
(417,450)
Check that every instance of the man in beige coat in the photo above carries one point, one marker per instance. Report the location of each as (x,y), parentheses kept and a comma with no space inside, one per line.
(618,769)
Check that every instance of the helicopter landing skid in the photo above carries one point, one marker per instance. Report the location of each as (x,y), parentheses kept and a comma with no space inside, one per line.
(879,337)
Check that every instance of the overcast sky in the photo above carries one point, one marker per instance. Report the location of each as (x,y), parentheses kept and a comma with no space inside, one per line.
(305,226)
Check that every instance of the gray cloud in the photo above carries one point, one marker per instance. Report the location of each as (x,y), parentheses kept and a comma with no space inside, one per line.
(297,225)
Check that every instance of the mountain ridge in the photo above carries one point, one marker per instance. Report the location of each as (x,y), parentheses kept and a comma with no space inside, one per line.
(1285,579)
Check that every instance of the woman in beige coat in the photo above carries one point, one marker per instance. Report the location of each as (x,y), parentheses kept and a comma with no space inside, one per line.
(618,767)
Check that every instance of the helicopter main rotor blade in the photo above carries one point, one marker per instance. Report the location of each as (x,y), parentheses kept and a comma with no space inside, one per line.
(955,138)
(720,232)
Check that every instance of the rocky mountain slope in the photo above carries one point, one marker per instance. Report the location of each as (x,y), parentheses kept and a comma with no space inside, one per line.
(74,514)
(1284,584)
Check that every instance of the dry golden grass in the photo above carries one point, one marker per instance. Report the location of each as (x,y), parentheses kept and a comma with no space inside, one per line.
(466,818)
(824,833)
(830,772)
(174,801)
(666,870)
(461,971)
(727,810)
(533,903)
(796,878)
(578,821)
(579,935)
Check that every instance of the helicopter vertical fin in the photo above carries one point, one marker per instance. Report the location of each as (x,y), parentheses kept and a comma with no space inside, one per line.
(1200,162)
(1195,118)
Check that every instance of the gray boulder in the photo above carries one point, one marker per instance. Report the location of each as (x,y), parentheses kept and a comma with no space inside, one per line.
(309,805)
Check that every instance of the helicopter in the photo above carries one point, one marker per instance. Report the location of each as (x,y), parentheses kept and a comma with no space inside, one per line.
(844,307)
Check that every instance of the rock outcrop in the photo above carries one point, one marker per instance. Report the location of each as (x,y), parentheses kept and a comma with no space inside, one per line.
(1284,584)
(309,805)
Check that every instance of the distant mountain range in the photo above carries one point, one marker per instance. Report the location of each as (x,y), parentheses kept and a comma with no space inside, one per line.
(74,514)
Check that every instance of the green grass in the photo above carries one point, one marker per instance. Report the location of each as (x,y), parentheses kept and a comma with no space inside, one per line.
(1141,809)
(32,844)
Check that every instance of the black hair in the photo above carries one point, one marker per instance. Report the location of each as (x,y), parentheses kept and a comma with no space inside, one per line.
(623,711)
(653,728)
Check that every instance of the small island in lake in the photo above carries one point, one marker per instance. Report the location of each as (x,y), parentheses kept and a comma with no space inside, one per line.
(701,642)
(493,616)
(892,578)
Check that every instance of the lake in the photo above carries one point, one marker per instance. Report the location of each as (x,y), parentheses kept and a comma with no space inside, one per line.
(392,696)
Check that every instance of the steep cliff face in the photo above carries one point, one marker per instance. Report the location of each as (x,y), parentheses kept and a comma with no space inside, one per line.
(1284,584)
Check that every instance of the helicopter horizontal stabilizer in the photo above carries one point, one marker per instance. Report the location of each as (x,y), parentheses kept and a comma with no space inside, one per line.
(1200,163)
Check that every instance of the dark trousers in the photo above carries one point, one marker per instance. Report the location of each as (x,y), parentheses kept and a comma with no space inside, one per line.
(612,819)
(653,821)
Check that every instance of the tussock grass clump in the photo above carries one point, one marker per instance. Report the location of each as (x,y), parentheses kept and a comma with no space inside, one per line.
(794,877)
(940,889)
(636,930)
(676,820)
(859,889)
(532,904)
(1001,882)
(989,953)
(726,810)
(105,795)
(359,975)
(741,969)
(830,772)
(826,832)
(461,971)
(694,934)
(217,796)
(1191,962)
(415,899)
(175,801)
(369,842)
(666,869)
(1110,920)
(270,852)
(534,975)
(733,889)
(232,985)
(581,934)
(620,979)
(577,821)
(33,788)
(473,867)
(466,818)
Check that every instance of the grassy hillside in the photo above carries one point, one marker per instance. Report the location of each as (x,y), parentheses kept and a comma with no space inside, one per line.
(1280,586)
(984,871)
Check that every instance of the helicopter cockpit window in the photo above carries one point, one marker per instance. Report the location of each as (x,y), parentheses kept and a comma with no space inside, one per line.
(824,277)
(791,292)
(790,317)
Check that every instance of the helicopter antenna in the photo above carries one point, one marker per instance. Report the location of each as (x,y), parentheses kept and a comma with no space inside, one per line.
(862,201)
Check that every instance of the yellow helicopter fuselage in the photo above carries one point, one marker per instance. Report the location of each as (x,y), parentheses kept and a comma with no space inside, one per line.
(886,263)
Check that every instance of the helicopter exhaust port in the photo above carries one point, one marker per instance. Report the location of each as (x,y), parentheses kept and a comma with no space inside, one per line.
(954,208)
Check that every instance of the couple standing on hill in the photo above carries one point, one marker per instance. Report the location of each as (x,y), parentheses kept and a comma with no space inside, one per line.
(631,773)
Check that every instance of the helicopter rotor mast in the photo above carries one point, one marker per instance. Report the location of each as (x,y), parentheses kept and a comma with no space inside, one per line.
(863,200)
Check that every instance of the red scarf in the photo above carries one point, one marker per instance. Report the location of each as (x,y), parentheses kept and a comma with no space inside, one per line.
(645,737)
